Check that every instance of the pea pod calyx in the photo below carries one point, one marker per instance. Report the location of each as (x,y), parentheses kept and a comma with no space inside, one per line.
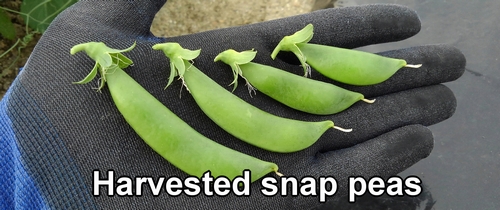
(105,58)
(289,43)
(234,59)
(177,55)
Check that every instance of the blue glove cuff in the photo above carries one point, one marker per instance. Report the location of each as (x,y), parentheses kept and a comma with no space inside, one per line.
(18,191)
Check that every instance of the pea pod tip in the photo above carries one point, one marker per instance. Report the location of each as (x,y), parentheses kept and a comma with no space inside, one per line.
(369,101)
(343,129)
(415,66)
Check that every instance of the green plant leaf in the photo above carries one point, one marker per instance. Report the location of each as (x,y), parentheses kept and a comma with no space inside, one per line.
(39,14)
(7,29)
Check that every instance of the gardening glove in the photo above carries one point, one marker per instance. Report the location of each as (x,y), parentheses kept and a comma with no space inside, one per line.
(55,134)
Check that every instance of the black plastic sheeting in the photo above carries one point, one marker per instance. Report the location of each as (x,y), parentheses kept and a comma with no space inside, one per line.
(463,170)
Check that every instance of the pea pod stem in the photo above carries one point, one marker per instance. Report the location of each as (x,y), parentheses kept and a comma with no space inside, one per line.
(344,65)
(242,120)
(297,92)
(166,133)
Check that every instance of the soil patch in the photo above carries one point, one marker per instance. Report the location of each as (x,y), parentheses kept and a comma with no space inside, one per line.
(18,55)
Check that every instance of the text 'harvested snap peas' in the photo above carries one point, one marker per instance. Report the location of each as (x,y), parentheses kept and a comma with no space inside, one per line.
(238,117)
(344,65)
(297,92)
(161,129)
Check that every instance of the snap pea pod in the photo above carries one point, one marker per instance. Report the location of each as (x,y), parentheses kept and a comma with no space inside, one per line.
(161,129)
(348,66)
(297,92)
(239,118)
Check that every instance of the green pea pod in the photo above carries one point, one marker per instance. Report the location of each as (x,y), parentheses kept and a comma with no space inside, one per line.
(297,92)
(344,65)
(167,134)
(243,120)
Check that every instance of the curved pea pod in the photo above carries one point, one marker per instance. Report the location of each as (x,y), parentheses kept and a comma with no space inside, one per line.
(242,120)
(344,65)
(165,132)
(297,92)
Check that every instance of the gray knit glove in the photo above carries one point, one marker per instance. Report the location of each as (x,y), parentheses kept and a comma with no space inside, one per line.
(65,132)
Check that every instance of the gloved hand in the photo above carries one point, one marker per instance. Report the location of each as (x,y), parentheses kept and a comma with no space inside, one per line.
(56,133)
